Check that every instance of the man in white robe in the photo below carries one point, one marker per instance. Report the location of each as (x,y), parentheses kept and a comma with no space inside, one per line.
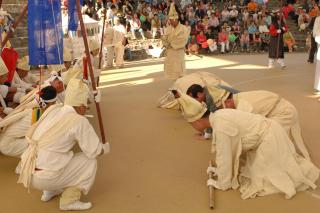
(174,40)
(109,44)
(49,164)
(270,105)
(14,127)
(271,162)
(4,90)
(119,41)
(22,77)
(182,84)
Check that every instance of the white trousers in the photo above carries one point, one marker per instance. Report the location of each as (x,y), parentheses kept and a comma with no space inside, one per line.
(224,45)
(213,48)
(79,173)
(119,51)
(110,56)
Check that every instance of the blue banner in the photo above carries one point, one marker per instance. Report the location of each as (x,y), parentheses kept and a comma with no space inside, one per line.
(73,15)
(45,32)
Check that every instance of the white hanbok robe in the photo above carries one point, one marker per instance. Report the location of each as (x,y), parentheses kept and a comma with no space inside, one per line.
(271,164)
(118,39)
(175,40)
(13,131)
(53,164)
(272,106)
(108,42)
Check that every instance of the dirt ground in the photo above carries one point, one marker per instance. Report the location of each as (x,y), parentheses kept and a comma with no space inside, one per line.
(156,165)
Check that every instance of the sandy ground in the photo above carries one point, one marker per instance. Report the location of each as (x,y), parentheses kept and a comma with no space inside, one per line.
(156,165)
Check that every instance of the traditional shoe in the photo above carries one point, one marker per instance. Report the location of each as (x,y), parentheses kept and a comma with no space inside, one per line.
(76,206)
(283,67)
(270,66)
(48,195)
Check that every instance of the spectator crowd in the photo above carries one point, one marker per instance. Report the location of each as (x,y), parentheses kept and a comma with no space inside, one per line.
(215,26)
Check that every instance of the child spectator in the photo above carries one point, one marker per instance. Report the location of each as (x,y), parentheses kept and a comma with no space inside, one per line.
(232,41)
(252,29)
(257,41)
(289,40)
(212,45)
(265,40)
(245,41)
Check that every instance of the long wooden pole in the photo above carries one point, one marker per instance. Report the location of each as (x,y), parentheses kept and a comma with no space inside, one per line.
(211,189)
(85,41)
(14,26)
(102,36)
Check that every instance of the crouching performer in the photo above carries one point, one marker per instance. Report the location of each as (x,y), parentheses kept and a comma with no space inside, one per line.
(271,163)
(49,163)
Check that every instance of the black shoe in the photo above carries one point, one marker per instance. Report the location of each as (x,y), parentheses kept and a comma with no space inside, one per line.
(310,62)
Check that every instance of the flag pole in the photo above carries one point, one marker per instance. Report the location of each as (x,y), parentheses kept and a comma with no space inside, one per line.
(14,26)
(102,36)
(85,41)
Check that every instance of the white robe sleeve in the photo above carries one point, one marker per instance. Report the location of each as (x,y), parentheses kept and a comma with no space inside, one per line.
(224,160)
(244,106)
(88,140)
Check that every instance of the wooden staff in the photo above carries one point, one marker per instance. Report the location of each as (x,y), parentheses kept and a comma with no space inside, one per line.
(85,41)
(14,26)
(278,42)
(102,36)
(211,189)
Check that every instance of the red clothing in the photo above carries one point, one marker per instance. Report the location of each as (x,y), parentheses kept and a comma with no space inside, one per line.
(222,37)
(201,39)
(10,58)
(273,30)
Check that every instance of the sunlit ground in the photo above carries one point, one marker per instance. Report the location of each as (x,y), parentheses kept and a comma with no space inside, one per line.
(147,71)
(143,69)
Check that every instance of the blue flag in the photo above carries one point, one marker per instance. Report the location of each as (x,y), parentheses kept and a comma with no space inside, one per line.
(73,15)
(45,32)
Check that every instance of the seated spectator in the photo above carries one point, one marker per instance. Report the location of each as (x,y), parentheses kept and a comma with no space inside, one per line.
(232,41)
(236,29)
(257,41)
(245,41)
(136,26)
(263,28)
(226,27)
(193,46)
(205,23)
(289,40)
(212,45)
(156,26)
(225,15)
(234,13)
(210,34)
(199,26)
(214,22)
(265,40)
(252,6)
(252,29)
(245,18)
(303,21)
(201,38)
(223,40)
(314,11)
